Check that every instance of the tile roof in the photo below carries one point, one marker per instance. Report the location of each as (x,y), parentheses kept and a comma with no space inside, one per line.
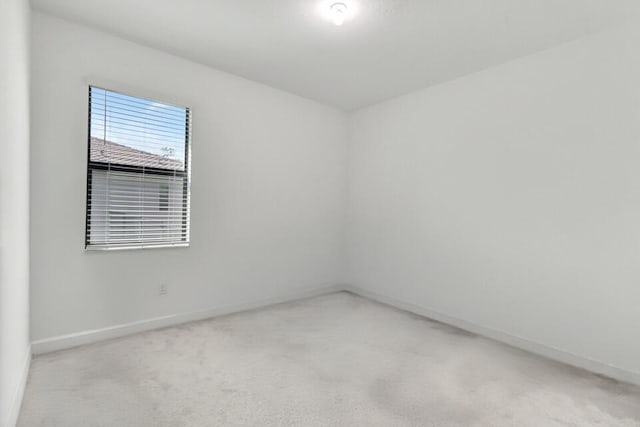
(111,152)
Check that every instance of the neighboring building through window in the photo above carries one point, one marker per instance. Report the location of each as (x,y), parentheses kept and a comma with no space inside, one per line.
(138,183)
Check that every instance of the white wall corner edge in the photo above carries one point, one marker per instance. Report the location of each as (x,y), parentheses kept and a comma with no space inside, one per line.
(63,342)
(16,402)
(582,362)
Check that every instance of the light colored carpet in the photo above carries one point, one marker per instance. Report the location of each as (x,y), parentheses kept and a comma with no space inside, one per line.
(336,360)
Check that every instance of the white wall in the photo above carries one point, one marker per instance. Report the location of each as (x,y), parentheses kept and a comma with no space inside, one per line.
(267,203)
(510,199)
(14,204)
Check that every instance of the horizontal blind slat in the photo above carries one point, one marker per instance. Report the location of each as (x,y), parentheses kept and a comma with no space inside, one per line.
(118,133)
(137,110)
(121,97)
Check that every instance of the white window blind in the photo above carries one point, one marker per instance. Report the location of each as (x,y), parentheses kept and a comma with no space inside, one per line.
(138,178)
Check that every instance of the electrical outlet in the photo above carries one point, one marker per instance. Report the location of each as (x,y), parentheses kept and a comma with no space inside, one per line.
(164,289)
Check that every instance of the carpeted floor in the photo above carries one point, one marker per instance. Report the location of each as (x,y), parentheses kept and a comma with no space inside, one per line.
(336,360)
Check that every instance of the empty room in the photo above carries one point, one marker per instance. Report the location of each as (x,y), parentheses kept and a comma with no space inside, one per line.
(320,213)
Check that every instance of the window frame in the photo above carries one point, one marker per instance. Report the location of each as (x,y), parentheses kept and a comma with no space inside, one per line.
(186,175)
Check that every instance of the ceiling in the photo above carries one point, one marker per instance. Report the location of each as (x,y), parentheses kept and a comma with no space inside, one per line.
(389,48)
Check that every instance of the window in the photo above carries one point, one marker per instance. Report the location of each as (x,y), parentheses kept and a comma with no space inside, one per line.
(138,165)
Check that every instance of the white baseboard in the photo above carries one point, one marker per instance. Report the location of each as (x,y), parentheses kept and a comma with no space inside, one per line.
(86,337)
(549,352)
(63,342)
(16,402)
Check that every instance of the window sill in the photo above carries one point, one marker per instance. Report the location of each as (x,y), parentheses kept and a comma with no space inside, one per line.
(97,248)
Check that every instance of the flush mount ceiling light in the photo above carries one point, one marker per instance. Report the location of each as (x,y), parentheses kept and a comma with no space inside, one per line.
(338,13)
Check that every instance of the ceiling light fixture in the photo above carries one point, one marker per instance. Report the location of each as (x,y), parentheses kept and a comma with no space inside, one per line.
(338,13)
